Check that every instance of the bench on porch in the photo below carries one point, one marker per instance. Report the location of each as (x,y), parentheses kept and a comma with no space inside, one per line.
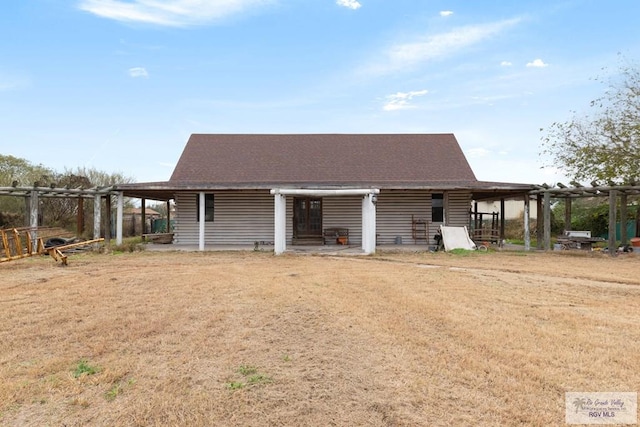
(336,236)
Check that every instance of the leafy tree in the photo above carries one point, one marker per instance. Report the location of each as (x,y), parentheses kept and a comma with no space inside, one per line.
(603,146)
(21,172)
(592,213)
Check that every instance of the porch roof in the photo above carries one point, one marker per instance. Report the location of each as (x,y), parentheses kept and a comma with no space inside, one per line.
(480,190)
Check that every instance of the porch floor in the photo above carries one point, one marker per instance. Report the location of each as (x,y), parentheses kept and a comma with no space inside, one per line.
(322,249)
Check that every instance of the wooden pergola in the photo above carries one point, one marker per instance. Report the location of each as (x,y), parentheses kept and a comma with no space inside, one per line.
(33,194)
(613,192)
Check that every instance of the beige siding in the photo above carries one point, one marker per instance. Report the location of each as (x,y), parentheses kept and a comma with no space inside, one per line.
(345,211)
(394,210)
(243,217)
(240,217)
(458,203)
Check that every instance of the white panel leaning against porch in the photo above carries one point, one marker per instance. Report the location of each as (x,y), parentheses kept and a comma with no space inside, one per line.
(456,238)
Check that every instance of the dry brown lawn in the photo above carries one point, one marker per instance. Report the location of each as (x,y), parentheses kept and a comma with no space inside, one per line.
(249,339)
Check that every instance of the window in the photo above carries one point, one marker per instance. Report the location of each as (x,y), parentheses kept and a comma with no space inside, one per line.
(208,207)
(437,207)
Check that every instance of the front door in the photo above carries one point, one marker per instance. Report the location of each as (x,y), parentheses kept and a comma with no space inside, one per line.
(307,217)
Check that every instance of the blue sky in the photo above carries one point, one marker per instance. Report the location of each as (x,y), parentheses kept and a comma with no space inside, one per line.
(120,85)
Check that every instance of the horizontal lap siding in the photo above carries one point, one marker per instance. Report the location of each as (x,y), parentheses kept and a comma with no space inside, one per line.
(459,203)
(394,210)
(239,218)
(344,211)
(246,217)
(243,217)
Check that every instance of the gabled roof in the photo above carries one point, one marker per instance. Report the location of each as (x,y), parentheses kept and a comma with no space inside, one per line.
(213,162)
(325,159)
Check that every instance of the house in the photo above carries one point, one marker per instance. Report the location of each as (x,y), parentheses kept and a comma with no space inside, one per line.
(132,221)
(290,189)
(513,209)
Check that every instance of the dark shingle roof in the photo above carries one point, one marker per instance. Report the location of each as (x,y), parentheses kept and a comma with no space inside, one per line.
(326,159)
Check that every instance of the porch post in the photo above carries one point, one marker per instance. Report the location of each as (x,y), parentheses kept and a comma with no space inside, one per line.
(168,216)
(369,223)
(280,223)
(502,222)
(527,230)
(143,216)
(119,213)
(201,223)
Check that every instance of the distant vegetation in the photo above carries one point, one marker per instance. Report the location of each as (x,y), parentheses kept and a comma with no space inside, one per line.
(55,212)
(603,146)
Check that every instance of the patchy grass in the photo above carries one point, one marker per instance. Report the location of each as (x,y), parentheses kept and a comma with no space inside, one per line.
(251,339)
(83,368)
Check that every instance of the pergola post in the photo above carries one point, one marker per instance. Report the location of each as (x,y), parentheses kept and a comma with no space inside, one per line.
(547,220)
(107,217)
(539,222)
(119,214)
(613,245)
(33,220)
(567,214)
(623,220)
(527,230)
(80,217)
(97,207)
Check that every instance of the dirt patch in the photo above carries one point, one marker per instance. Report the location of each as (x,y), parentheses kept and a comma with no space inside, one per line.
(252,339)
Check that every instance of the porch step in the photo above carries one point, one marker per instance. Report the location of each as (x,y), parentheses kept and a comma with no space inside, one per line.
(308,241)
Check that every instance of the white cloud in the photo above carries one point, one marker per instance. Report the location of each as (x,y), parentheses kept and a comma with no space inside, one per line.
(506,64)
(351,4)
(400,100)
(406,55)
(138,72)
(176,13)
(537,63)
(446,13)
